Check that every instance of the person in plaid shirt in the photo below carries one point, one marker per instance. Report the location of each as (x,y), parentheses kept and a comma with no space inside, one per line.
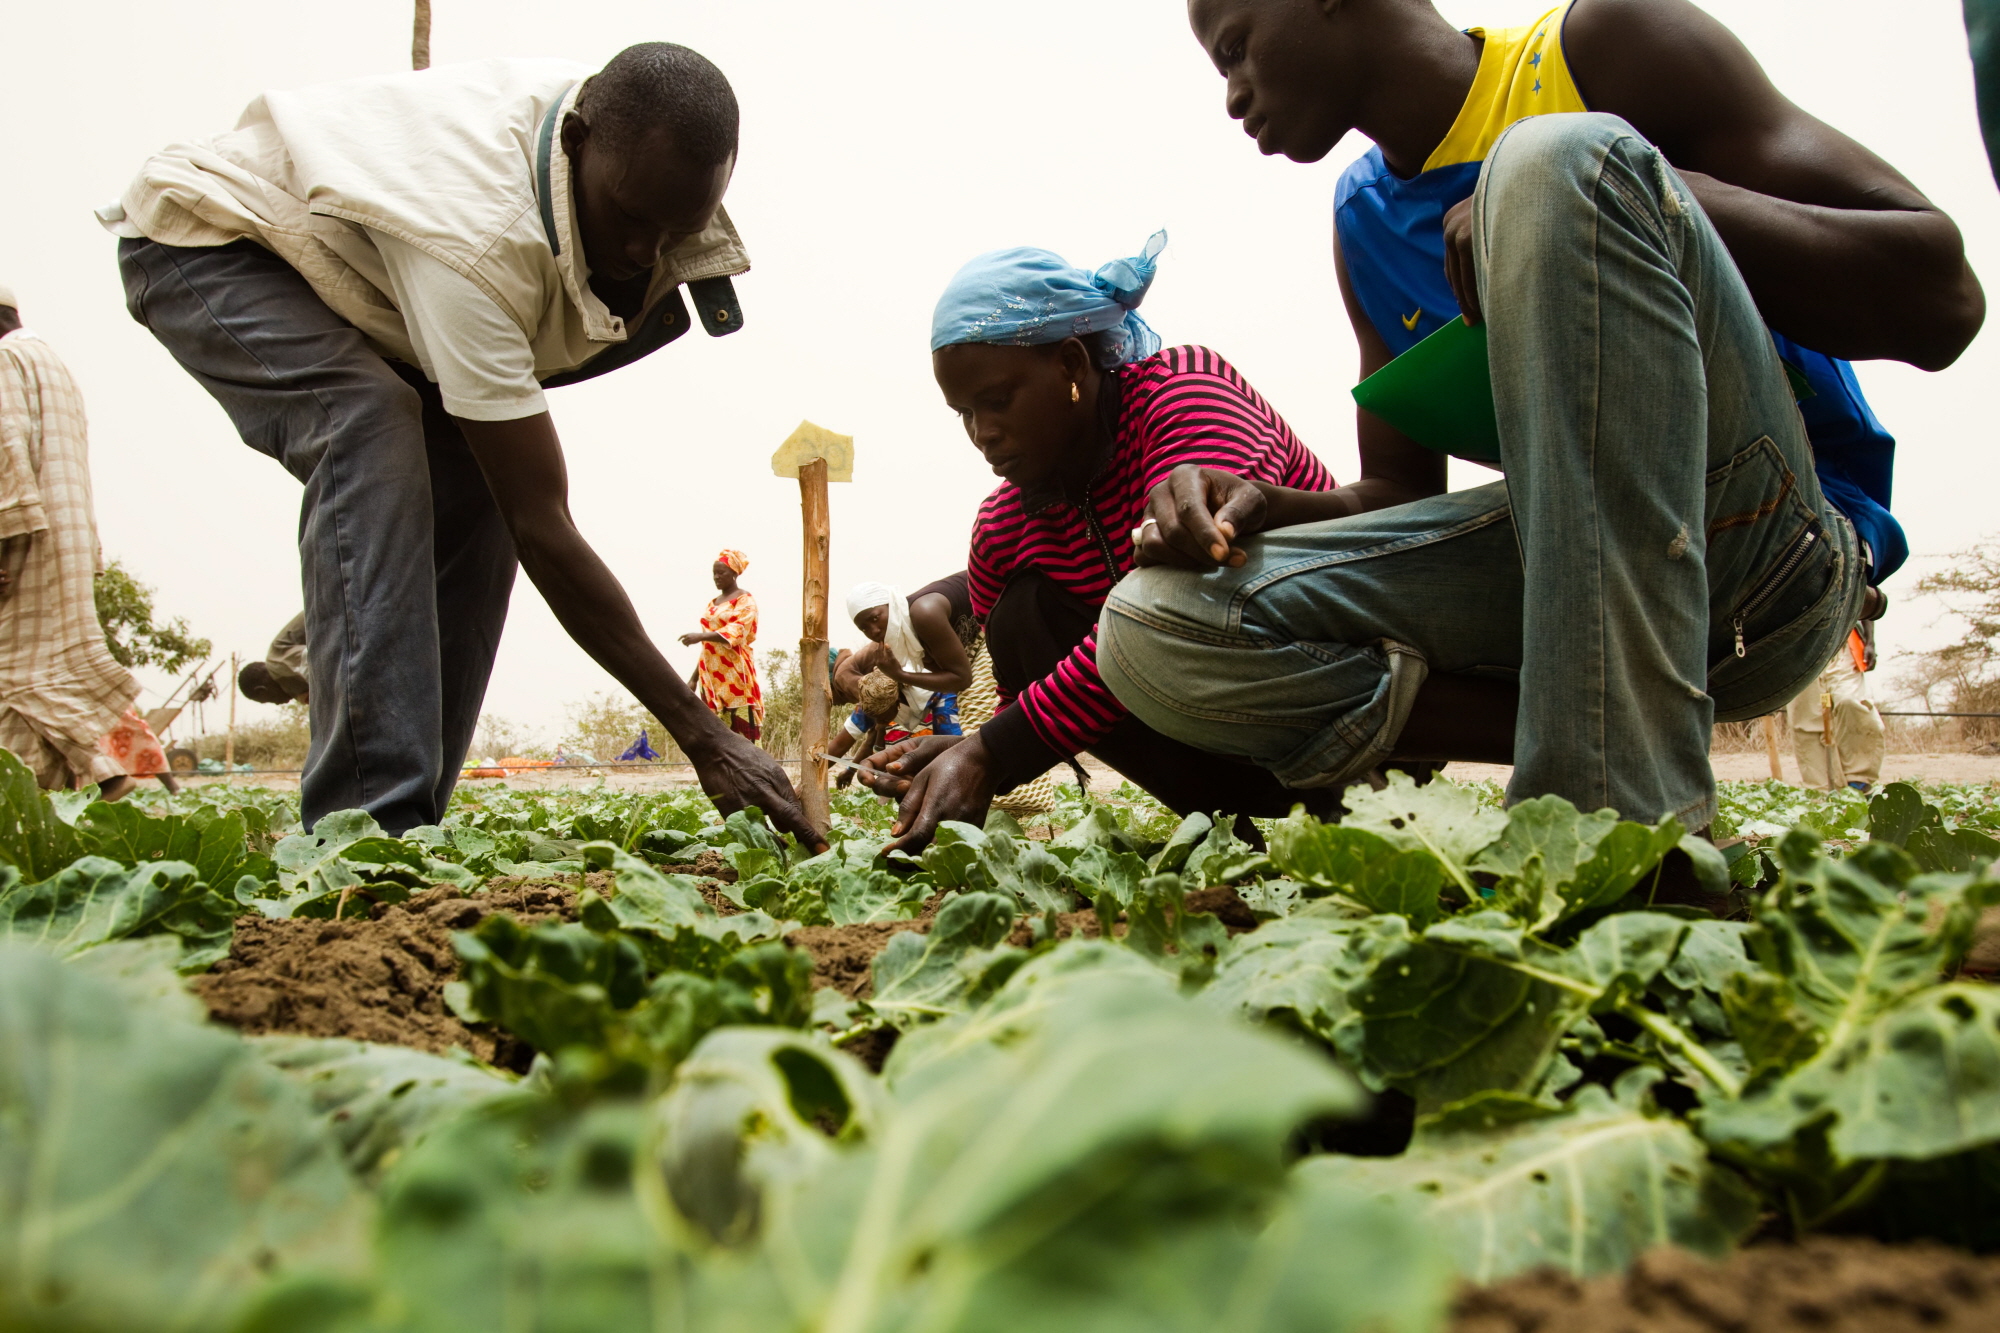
(61,691)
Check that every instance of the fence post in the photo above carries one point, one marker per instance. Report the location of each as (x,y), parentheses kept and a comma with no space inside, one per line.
(812,643)
(1771,746)
(420,36)
(229,742)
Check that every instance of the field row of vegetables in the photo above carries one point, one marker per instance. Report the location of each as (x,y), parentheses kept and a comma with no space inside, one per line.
(1139,1074)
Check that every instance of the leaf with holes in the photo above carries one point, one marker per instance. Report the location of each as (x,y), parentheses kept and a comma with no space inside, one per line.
(1508,1186)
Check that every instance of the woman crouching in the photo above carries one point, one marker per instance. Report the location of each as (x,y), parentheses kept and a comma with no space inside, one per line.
(1067,394)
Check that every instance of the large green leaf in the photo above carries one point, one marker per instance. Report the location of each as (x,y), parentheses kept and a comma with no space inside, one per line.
(754,1110)
(1507,1187)
(1103,977)
(308,861)
(1920,1080)
(96,900)
(1854,936)
(522,1215)
(33,837)
(554,986)
(1296,972)
(1554,861)
(1443,1020)
(1097,1172)
(1188,835)
(347,857)
(1117,1165)
(953,856)
(1100,871)
(1096,829)
(923,976)
(1476,1004)
(1360,866)
(380,1101)
(1025,869)
(1712,955)
(666,917)
(214,842)
(1442,818)
(1897,811)
(1159,925)
(154,1172)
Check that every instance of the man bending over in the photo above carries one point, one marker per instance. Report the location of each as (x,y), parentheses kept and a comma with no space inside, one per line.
(377,279)
(1651,233)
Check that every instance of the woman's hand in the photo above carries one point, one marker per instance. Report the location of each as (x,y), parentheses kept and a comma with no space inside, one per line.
(940,778)
(699,636)
(889,771)
(1194,518)
(736,773)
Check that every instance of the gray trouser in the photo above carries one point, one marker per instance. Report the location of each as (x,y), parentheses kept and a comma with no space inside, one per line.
(1659,557)
(407,564)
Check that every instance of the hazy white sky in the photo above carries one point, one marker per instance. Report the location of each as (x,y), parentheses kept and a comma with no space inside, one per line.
(883,144)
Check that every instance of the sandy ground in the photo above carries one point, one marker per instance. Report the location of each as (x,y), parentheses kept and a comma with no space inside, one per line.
(1756,767)
(1753,767)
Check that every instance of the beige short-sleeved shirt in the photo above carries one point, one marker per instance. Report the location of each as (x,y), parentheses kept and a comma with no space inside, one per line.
(368,187)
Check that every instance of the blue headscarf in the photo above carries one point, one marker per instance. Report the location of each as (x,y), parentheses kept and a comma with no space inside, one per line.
(1028,298)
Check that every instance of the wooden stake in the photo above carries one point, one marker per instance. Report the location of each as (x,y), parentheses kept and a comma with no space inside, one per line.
(229,743)
(1771,745)
(420,37)
(812,642)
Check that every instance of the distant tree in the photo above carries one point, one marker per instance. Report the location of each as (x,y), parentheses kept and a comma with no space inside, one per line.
(1963,677)
(604,725)
(125,610)
(504,738)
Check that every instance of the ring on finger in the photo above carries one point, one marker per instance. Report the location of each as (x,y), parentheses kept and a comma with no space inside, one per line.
(1139,533)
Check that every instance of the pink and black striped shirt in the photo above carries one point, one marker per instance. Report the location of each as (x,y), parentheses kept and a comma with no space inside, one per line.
(1181,405)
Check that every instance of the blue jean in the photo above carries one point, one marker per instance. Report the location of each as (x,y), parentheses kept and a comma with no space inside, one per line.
(1658,558)
(407,565)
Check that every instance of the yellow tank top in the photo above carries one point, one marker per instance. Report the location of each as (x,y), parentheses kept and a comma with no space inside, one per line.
(1522,73)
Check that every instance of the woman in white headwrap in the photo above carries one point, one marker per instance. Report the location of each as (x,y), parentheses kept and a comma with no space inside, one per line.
(911,641)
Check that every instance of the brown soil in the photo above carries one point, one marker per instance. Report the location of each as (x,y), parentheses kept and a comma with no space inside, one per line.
(1823,1285)
(710,867)
(1226,905)
(1067,924)
(378,978)
(709,864)
(841,954)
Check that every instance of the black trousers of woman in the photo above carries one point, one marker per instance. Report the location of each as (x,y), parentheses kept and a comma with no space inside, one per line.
(1036,624)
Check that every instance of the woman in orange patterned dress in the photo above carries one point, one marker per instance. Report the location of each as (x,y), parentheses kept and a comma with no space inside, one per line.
(726,677)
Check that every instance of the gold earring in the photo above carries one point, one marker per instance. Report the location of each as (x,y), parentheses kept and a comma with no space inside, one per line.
(1075,395)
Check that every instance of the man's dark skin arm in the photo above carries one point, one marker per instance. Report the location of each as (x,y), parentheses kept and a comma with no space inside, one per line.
(1842,253)
(523,464)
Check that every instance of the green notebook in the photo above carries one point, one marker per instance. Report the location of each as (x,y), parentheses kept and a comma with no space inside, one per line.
(1440,393)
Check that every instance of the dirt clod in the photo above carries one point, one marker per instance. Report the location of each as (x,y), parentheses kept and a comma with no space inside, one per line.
(378,978)
(1823,1285)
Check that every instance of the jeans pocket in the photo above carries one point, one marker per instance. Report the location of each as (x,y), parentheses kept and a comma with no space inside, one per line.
(1790,624)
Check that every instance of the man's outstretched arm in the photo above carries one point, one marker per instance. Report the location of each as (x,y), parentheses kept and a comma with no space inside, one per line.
(523,464)
(1842,253)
